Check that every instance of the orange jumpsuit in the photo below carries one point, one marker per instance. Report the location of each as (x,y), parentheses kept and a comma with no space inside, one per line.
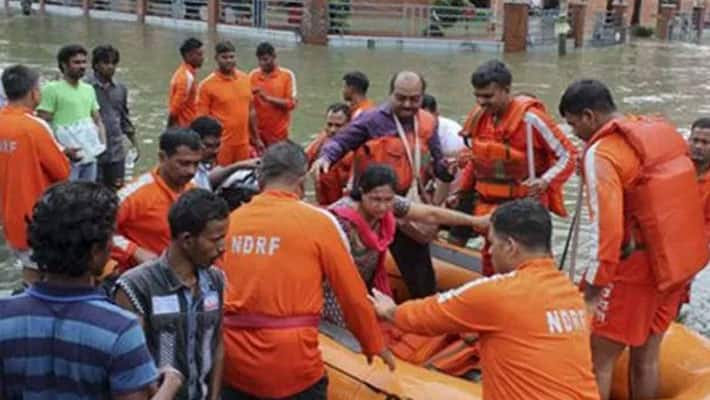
(142,219)
(30,161)
(532,347)
(554,158)
(228,98)
(704,183)
(329,187)
(357,109)
(275,265)
(630,308)
(273,121)
(183,95)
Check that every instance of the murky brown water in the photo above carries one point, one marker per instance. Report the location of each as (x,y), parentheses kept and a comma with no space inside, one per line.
(646,77)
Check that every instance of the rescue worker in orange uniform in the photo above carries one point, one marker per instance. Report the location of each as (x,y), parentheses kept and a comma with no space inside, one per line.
(182,99)
(30,161)
(699,142)
(647,232)
(518,150)
(355,85)
(226,95)
(532,346)
(274,296)
(405,137)
(274,89)
(142,230)
(329,186)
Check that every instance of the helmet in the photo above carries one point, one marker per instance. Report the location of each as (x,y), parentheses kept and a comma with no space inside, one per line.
(239,188)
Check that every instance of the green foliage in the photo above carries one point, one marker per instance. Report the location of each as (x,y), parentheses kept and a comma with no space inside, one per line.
(642,31)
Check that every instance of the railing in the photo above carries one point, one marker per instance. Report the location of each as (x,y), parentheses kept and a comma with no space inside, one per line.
(163,8)
(608,29)
(65,3)
(273,14)
(541,27)
(283,14)
(124,6)
(237,12)
(685,26)
(412,20)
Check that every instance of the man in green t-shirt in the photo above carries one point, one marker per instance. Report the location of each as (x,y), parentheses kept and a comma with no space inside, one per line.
(70,106)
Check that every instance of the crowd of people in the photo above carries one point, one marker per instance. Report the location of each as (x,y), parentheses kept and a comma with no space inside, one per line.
(159,288)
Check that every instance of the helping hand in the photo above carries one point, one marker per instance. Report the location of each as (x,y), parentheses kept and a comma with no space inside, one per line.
(384,305)
(536,187)
(387,357)
(320,166)
(72,153)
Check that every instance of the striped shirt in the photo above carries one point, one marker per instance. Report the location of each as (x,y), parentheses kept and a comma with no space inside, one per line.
(70,343)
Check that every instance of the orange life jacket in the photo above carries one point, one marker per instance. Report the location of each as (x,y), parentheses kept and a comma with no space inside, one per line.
(500,162)
(391,151)
(329,186)
(663,204)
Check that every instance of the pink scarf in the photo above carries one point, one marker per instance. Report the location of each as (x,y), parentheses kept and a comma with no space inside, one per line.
(374,241)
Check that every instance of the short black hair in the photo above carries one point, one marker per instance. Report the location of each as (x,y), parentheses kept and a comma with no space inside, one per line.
(224,46)
(358,81)
(265,49)
(339,108)
(394,77)
(284,160)
(429,103)
(492,71)
(206,126)
(701,123)
(67,221)
(67,52)
(375,175)
(526,221)
(173,138)
(586,94)
(189,45)
(19,80)
(105,54)
(193,210)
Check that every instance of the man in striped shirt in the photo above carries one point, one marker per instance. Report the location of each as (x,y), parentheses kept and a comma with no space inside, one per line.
(63,338)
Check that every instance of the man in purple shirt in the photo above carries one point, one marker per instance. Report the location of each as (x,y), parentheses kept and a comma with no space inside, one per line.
(399,116)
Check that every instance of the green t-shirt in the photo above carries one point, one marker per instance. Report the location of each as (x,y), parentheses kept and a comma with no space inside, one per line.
(71,108)
(68,104)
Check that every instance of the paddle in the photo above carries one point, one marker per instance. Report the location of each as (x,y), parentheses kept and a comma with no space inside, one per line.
(573,233)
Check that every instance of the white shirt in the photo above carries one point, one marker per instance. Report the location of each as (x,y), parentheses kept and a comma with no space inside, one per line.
(202,177)
(451,142)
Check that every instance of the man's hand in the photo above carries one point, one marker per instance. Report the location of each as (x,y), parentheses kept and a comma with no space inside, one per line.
(170,382)
(481,223)
(536,187)
(171,377)
(384,305)
(72,153)
(320,166)
(592,294)
(258,144)
(142,255)
(387,357)
(258,92)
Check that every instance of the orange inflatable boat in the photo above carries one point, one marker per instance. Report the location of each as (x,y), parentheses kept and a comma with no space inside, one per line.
(685,355)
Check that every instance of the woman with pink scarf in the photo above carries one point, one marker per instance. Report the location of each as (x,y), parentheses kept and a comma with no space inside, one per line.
(369,218)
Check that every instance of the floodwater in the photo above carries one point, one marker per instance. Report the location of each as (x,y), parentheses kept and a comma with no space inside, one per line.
(645,77)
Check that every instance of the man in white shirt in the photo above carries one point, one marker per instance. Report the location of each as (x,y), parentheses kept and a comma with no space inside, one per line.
(451,145)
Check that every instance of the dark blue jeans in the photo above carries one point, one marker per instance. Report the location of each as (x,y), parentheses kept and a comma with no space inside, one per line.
(319,391)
